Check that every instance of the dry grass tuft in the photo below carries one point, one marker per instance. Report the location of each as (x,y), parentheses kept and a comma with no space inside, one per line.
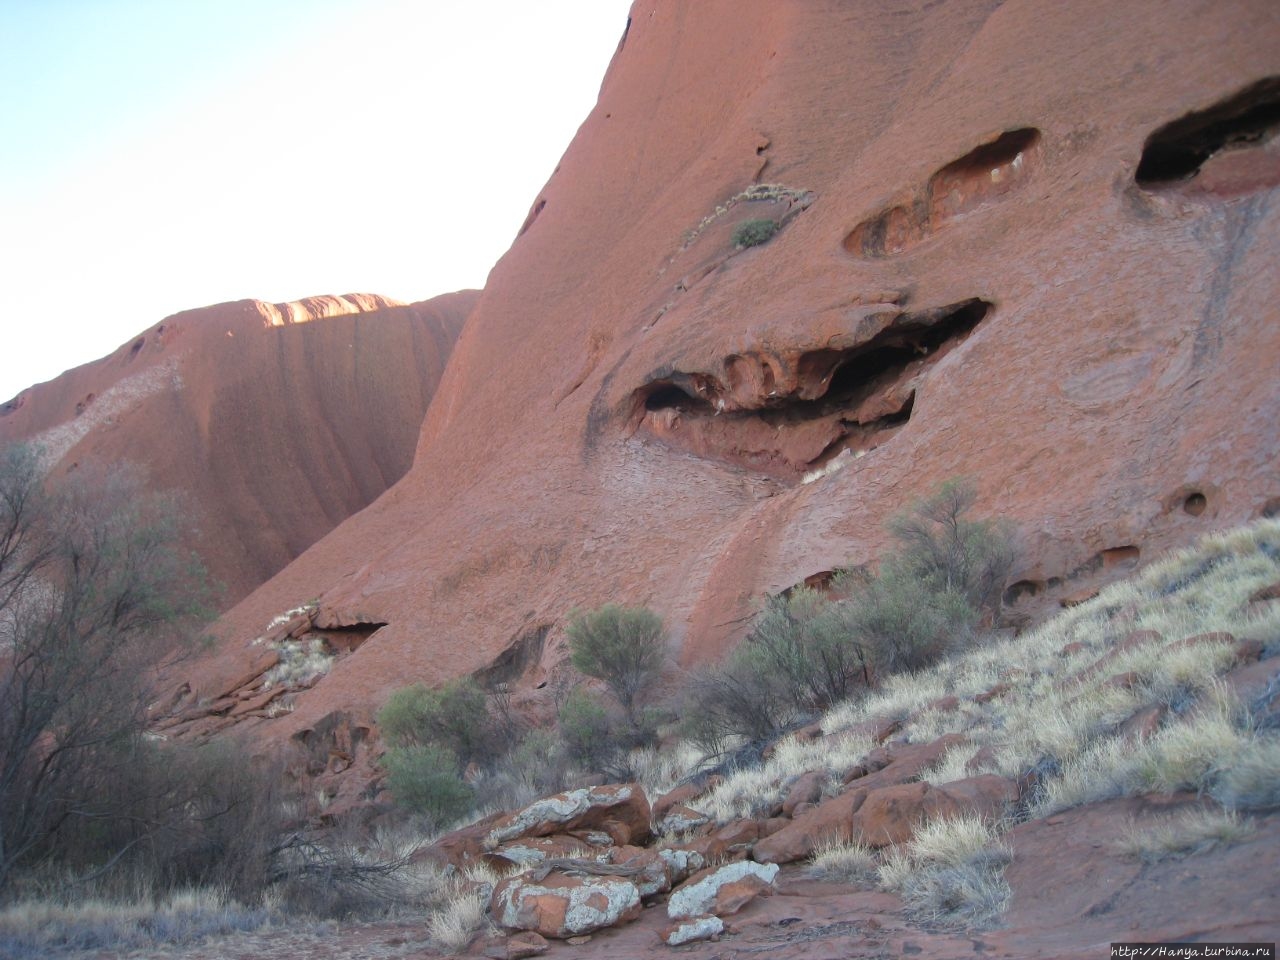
(463,916)
(951,874)
(852,862)
(754,791)
(1194,831)
(33,929)
(1252,781)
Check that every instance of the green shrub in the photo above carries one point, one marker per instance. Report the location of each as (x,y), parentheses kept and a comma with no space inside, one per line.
(946,554)
(424,779)
(752,233)
(588,734)
(899,623)
(743,697)
(623,646)
(455,717)
(806,640)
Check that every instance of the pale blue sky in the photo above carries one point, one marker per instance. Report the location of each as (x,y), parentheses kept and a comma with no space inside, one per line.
(157,155)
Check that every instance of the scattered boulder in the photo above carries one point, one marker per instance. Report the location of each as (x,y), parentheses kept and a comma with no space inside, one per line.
(738,835)
(518,946)
(561,906)
(732,897)
(891,814)
(1144,723)
(1271,592)
(682,862)
(460,847)
(681,796)
(680,820)
(702,893)
(806,789)
(531,851)
(986,795)
(612,810)
(692,930)
(652,876)
(828,821)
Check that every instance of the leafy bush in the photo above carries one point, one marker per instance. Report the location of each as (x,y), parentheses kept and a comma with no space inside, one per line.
(424,778)
(741,698)
(623,646)
(946,554)
(455,717)
(806,640)
(587,733)
(752,233)
(807,651)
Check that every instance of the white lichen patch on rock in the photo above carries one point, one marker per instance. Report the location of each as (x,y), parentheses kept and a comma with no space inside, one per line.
(693,930)
(558,809)
(697,898)
(571,907)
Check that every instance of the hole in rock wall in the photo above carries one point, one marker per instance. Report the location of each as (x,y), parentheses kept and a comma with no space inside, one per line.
(1271,508)
(523,654)
(982,176)
(791,413)
(1176,151)
(1195,504)
(1125,556)
(1022,590)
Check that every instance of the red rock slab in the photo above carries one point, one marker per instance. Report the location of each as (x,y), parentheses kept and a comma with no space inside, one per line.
(806,789)
(891,815)
(832,819)
(619,810)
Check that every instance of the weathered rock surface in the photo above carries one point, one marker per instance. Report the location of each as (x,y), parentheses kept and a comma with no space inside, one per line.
(562,906)
(971,279)
(274,421)
(721,890)
(691,930)
(619,812)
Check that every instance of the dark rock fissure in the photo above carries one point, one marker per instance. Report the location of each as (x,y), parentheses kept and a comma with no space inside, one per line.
(789,415)
(1177,150)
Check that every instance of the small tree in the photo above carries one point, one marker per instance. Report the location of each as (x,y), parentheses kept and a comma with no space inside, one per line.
(805,638)
(947,553)
(623,646)
(94,590)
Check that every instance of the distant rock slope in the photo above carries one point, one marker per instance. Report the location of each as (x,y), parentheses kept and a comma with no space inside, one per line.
(1031,243)
(277,421)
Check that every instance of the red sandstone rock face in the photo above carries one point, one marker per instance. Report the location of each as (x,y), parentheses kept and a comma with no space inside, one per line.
(277,421)
(971,278)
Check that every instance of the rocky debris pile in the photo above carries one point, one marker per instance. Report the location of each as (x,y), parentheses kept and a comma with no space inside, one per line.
(589,859)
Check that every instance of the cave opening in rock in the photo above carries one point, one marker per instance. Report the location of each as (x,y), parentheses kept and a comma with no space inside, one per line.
(1177,150)
(820,405)
(665,395)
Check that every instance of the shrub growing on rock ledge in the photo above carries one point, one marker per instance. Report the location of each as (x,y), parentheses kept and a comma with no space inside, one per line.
(752,233)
